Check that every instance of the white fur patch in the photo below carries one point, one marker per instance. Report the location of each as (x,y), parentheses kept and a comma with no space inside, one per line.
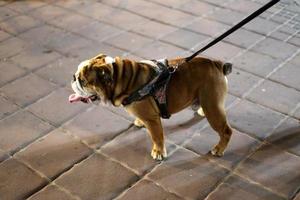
(148,62)
(226,80)
(109,60)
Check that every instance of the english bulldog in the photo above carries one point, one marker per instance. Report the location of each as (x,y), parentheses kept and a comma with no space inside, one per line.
(203,80)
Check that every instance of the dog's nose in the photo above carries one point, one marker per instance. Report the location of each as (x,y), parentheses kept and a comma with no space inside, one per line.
(74,78)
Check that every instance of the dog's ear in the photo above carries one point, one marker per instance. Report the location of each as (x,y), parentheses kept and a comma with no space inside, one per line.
(99,56)
(104,75)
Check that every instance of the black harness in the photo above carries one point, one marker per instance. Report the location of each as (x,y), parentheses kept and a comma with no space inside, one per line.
(156,88)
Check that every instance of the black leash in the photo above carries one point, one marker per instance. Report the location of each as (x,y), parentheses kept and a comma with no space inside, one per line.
(234,28)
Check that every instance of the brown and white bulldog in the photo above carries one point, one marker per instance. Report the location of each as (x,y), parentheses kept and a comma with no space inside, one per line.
(203,80)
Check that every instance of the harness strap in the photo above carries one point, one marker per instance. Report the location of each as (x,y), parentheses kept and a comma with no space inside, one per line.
(156,87)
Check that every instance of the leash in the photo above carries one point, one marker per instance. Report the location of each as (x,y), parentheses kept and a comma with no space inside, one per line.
(234,28)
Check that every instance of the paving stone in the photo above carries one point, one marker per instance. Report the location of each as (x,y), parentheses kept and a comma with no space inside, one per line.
(129,41)
(256,63)
(21,129)
(239,147)
(19,24)
(91,50)
(216,2)
(253,119)
(67,43)
(14,178)
(244,6)
(270,47)
(97,126)
(153,29)
(122,112)
(132,148)
(279,35)
(43,35)
(195,177)
(98,31)
(42,155)
(157,12)
(184,38)
(159,50)
(24,6)
(3,155)
(71,4)
(288,75)
(27,89)
(48,12)
(60,71)
(295,40)
(243,38)
(6,13)
(223,51)
(9,72)
(111,178)
(207,27)
(56,108)
(11,46)
(238,188)
(154,191)
(196,7)
(97,10)
(123,19)
(6,107)
(240,82)
(4,35)
(261,26)
(287,136)
(34,57)
(182,125)
(273,168)
(51,192)
(116,3)
(226,16)
(284,100)
(70,22)
(296,60)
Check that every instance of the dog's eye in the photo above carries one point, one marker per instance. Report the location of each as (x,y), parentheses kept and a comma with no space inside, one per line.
(82,82)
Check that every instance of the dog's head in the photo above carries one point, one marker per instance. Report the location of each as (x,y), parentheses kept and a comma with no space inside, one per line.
(93,80)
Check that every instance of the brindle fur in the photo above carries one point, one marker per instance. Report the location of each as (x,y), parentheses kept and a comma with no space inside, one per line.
(201,80)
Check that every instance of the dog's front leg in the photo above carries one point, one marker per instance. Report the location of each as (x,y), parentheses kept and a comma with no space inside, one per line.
(156,132)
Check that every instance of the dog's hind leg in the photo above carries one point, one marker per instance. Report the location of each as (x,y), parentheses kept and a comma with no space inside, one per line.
(213,107)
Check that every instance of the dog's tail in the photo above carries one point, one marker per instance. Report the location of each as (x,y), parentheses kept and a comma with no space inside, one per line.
(227,68)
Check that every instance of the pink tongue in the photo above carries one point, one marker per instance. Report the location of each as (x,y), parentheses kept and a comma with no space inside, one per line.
(75,98)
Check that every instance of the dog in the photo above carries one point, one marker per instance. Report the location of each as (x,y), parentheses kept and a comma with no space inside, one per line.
(201,80)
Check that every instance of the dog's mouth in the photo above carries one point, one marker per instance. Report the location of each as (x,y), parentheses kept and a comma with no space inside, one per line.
(85,99)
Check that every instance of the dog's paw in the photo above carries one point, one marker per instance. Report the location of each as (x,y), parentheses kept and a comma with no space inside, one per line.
(216,151)
(200,112)
(158,154)
(138,123)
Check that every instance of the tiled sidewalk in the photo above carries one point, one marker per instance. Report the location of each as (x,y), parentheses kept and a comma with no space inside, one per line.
(50,149)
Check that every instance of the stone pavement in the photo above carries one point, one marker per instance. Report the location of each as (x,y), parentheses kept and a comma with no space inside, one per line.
(50,149)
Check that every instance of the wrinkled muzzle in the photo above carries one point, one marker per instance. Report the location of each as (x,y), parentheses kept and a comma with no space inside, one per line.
(81,94)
